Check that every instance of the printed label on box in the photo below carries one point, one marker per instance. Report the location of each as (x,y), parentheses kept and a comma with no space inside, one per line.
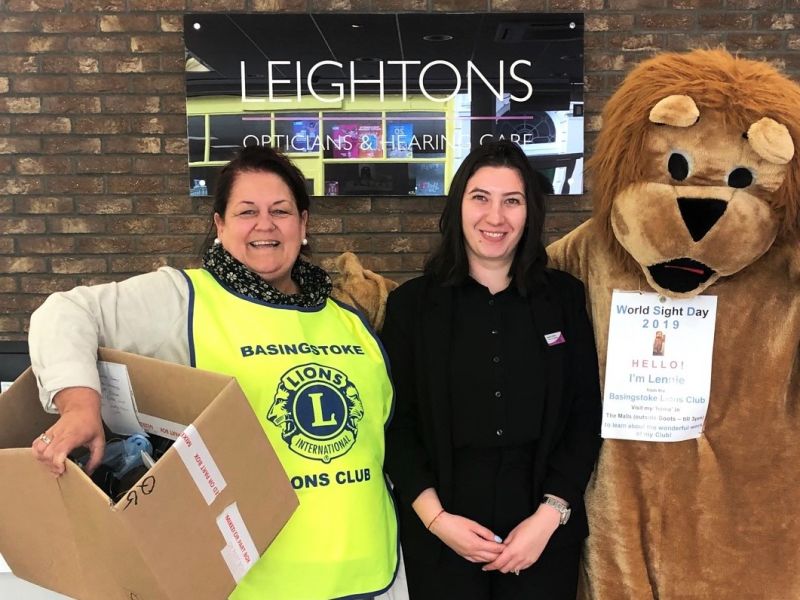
(235,566)
(162,427)
(200,464)
(240,552)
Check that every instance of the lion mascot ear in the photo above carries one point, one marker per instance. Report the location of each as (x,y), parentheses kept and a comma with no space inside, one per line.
(361,288)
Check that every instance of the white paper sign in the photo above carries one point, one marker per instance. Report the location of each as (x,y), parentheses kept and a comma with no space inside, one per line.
(118,406)
(658,370)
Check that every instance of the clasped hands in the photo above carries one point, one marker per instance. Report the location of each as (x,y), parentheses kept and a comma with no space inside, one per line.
(474,542)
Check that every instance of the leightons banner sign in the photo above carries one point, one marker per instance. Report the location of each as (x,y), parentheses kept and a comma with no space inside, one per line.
(385,104)
(335,92)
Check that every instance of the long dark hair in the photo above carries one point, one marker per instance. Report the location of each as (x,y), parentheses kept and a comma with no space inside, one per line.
(253,159)
(449,263)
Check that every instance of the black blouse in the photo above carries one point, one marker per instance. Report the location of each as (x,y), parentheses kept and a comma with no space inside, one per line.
(496,379)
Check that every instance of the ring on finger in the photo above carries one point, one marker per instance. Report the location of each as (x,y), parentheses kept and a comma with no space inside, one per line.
(46,439)
(516,571)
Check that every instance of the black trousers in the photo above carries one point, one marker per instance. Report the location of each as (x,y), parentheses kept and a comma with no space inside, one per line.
(493,486)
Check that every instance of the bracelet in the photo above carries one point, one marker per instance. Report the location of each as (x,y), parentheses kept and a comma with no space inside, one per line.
(439,514)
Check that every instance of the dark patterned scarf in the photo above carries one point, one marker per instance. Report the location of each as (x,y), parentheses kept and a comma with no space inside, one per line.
(314,283)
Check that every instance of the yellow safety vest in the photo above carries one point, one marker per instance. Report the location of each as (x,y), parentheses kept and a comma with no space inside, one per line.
(317,380)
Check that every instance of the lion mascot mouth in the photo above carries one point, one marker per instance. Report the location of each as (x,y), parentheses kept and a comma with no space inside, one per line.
(680,275)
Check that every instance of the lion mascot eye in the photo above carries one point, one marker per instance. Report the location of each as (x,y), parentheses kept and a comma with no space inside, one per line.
(678,166)
(740,178)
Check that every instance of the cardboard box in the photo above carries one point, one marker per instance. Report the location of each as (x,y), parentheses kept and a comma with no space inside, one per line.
(162,540)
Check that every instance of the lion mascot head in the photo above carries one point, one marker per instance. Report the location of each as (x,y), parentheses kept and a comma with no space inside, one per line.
(696,170)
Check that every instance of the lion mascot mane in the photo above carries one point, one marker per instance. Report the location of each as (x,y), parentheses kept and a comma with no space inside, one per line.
(696,189)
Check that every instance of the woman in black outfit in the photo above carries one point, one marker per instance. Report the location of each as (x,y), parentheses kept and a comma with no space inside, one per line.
(497,419)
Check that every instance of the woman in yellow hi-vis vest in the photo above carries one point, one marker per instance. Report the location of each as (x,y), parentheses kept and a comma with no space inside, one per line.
(311,368)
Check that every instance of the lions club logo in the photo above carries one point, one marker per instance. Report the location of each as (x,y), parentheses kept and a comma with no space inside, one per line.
(318,410)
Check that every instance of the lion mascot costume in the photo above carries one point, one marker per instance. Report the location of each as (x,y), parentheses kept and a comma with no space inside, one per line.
(361,288)
(696,190)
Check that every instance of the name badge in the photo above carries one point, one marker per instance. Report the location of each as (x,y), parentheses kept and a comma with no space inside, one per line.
(554,339)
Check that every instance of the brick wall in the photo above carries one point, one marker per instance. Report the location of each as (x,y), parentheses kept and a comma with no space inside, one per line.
(93,172)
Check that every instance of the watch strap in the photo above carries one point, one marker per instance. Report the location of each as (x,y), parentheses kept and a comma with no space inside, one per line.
(562,507)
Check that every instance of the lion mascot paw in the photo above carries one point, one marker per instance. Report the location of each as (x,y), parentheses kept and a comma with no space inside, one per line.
(696,190)
(361,288)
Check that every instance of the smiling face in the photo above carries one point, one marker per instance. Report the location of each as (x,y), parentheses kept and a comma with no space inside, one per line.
(262,227)
(493,214)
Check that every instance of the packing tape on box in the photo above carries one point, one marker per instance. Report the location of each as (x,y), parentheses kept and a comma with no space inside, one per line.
(240,552)
(161,427)
(200,464)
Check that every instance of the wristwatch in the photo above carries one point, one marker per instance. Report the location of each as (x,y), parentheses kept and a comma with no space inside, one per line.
(561,506)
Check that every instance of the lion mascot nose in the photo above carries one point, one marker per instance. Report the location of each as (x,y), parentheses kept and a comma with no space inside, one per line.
(700,214)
